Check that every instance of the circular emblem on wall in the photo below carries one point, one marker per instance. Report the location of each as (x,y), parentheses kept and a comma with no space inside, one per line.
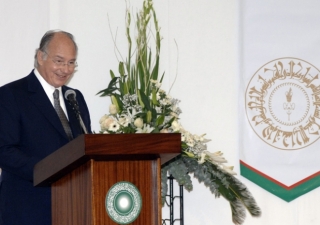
(123,202)
(282,103)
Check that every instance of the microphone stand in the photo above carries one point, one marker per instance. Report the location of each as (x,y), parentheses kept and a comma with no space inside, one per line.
(75,107)
(81,123)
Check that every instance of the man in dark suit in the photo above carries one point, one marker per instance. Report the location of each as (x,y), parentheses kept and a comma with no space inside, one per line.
(30,129)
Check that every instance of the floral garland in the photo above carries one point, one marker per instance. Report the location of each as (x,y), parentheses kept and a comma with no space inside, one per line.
(139,105)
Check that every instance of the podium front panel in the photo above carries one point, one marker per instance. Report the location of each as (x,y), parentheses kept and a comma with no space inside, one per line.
(79,197)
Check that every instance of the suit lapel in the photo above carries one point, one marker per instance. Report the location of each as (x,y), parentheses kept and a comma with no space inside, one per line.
(38,96)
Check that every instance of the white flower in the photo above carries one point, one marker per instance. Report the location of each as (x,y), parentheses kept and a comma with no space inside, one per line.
(190,143)
(103,118)
(165,101)
(198,138)
(184,135)
(187,137)
(113,109)
(105,124)
(146,129)
(175,108)
(114,126)
(164,131)
(216,157)
(229,169)
(138,123)
(158,109)
(156,83)
(123,121)
(157,96)
(131,115)
(201,138)
(175,126)
(174,115)
(202,158)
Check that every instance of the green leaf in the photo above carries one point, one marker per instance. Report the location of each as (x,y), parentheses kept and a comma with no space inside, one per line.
(160,120)
(112,74)
(141,103)
(107,92)
(162,77)
(155,70)
(149,116)
(121,69)
(154,115)
(113,82)
(154,97)
(145,100)
(119,103)
(156,130)
(142,76)
(115,101)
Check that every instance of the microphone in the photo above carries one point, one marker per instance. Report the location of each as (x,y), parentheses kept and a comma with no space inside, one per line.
(70,95)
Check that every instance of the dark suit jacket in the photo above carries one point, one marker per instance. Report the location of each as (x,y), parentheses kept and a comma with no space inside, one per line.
(30,130)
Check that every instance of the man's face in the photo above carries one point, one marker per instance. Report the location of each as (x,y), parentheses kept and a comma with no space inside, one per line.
(60,49)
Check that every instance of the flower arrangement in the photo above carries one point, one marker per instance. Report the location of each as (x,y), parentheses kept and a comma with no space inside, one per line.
(139,105)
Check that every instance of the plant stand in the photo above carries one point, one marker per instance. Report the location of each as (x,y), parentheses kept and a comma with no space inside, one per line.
(172,198)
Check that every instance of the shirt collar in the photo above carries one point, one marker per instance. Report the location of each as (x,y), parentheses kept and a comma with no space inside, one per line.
(49,89)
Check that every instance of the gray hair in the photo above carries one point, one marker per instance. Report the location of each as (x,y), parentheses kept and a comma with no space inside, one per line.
(45,41)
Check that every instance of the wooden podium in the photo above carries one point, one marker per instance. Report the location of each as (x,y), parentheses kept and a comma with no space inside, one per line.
(81,173)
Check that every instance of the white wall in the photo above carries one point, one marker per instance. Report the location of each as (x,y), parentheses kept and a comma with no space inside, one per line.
(206,34)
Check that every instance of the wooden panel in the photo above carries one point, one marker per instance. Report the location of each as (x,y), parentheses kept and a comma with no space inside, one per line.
(105,147)
(132,144)
(80,180)
(157,187)
(72,198)
(143,174)
(79,197)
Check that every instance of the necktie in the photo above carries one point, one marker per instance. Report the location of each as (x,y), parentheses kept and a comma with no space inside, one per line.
(61,114)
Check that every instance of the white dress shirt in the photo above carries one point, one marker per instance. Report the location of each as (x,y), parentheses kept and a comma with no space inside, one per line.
(49,91)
